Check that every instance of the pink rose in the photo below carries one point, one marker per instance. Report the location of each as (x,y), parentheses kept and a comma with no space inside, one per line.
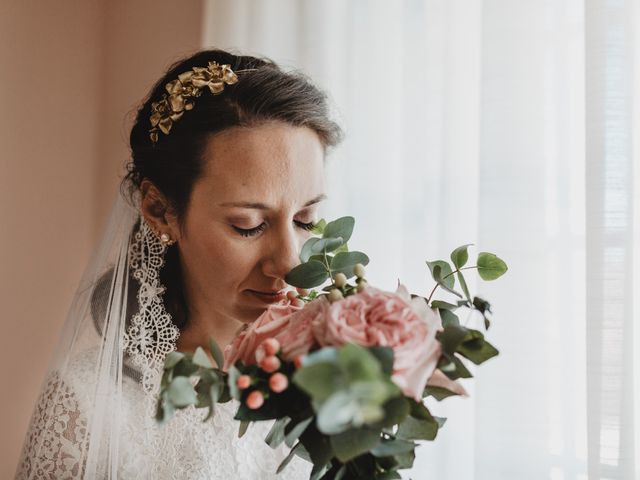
(377,318)
(269,324)
(297,338)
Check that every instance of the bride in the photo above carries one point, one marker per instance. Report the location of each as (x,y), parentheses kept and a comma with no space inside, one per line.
(224,185)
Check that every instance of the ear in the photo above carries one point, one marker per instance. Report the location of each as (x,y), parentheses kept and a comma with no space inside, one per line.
(157,211)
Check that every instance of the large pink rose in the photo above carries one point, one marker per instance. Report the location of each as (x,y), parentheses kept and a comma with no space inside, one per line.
(377,318)
(297,338)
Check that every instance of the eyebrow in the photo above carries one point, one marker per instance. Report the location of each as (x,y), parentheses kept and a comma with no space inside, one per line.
(262,206)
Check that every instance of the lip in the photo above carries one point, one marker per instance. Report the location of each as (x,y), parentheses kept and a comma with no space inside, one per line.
(268,297)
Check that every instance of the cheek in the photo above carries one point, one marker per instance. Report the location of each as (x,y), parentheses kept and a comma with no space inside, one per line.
(216,260)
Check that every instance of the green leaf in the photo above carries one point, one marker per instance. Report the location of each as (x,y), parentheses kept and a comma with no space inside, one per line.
(418,428)
(463,285)
(172,360)
(443,305)
(445,271)
(453,367)
(345,261)
(306,253)
(244,425)
(319,380)
(181,393)
(439,393)
(359,363)
(384,355)
(342,227)
(307,275)
(476,348)
(326,245)
(490,266)
(437,275)
(449,318)
(234,373)
(392,447)
(405,460)
(396,409)
(354,442)
(318,471)
(288,458)
(200,358)
(216,353)
(296,430)
(460,255)
(275,437)
(337,413)
(451,337)
(319,227)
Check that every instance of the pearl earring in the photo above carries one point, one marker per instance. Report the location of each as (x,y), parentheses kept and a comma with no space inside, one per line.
(166,239)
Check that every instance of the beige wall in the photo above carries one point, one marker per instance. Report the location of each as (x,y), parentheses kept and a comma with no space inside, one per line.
(69,73)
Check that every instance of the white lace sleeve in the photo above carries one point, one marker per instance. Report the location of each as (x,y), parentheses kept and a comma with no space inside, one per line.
(56,437)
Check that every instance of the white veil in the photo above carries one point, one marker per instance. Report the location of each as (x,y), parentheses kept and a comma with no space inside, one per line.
(95,416)
(116,328)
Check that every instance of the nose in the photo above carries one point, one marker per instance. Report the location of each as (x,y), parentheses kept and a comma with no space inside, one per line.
(283,253)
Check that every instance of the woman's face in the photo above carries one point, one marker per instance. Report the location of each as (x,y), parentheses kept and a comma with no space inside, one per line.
(248,216)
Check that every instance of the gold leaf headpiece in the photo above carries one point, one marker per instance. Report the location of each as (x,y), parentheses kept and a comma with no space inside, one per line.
(182,92)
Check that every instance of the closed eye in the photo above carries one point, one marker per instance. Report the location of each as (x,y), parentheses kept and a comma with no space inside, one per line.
(250,232)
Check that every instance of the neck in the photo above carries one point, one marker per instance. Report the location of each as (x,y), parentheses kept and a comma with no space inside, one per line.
(200,329)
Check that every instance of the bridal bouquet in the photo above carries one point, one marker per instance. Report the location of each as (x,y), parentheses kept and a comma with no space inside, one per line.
(344,371)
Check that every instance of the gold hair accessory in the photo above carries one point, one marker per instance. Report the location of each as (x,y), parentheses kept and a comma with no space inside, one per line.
(182,92)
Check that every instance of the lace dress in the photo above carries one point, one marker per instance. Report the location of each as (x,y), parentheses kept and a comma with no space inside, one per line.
(184,448)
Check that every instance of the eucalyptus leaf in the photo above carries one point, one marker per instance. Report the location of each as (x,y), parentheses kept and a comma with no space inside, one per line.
(326,245)
(344,262)
(439,393)
(293,432)
(463,285)
(490,266)
(392,447)
(318,228)
(476,348)
(443,305)
(244,425)
(451,337)
(275,437)
(172,360)
(288,458)
(460,256)
(342,227)
(216,353)
(449,318)
(445,276)
(384,355)
(418,429)
(354,442)
(337,413)
(181,393)
(306,253)
(307,275)
(201,359)
(319,380)
(359,363)
(437,275)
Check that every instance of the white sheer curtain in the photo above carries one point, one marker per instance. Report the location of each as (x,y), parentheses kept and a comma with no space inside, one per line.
(516,126)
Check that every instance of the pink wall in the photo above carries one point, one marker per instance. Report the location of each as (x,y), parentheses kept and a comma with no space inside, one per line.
(69,73)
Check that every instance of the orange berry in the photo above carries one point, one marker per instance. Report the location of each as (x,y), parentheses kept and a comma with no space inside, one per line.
(278,382)
(243,381)
(255,400)
(271,346)
(270,364)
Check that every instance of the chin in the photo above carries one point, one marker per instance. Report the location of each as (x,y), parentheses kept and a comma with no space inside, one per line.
(249,314)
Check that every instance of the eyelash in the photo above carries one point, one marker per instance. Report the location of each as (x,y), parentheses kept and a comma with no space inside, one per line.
(250,232)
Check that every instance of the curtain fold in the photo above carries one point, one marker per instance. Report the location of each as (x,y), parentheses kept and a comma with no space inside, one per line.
(514,126)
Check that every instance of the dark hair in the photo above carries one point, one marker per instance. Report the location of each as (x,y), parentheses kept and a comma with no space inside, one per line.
(173,164)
